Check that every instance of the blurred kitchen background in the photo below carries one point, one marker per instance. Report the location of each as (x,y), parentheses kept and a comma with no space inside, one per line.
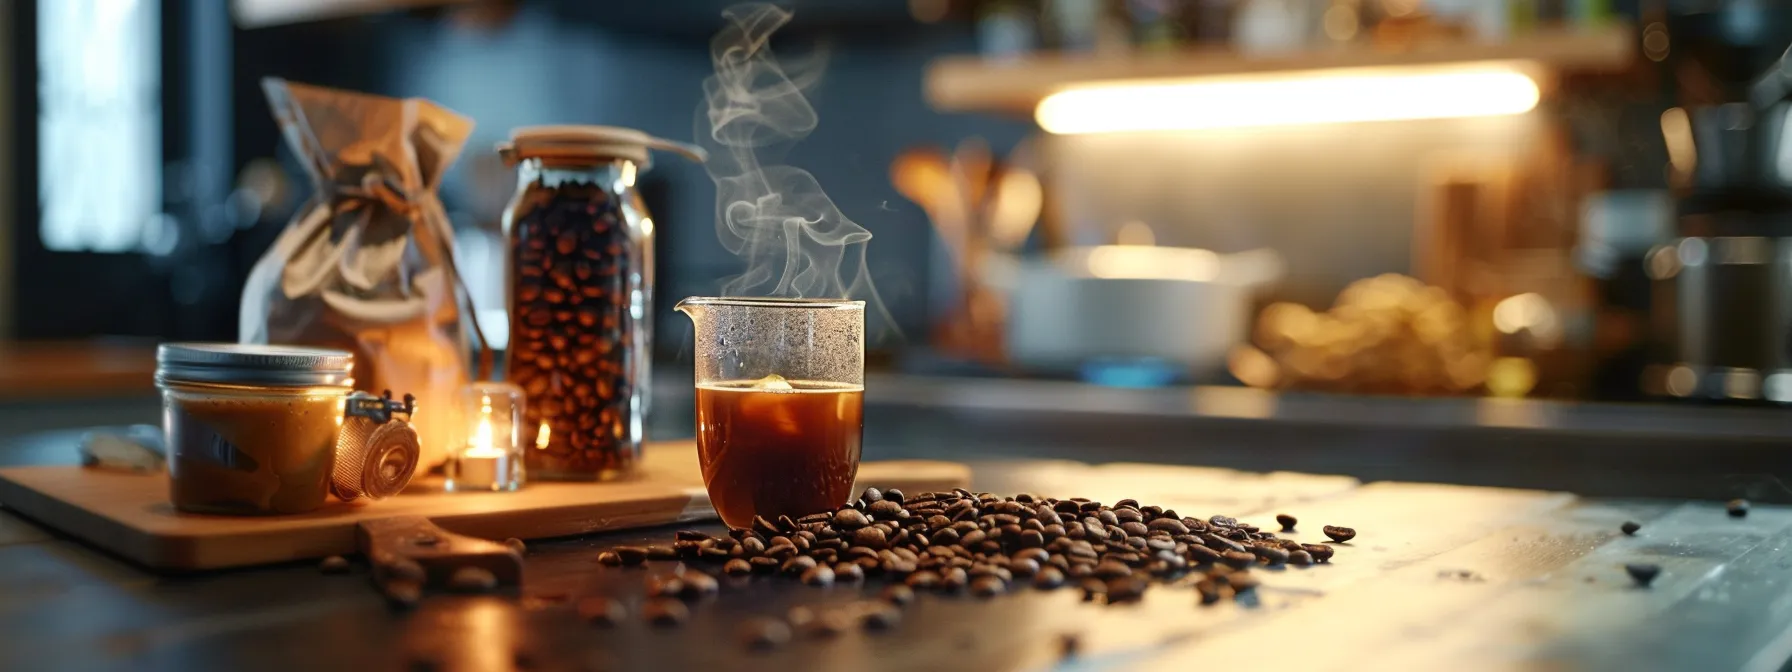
(1512,242)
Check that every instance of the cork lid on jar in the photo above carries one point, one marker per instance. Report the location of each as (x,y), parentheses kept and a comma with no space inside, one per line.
(590,142)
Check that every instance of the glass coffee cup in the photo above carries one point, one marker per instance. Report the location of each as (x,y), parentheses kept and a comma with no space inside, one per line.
(780,397)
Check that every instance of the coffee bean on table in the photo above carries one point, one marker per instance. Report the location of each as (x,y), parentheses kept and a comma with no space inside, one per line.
(870,537)
(871,495)
(1126,589)
(988,586)
(883,509)
(923,580)
(738,567)
(1300,558)
(1286,521)
(880,616)
(661,553)
(829,624)
(820,575)
(665,612)
(764,633)
(764,565)
(1209,591)
(798,565)
(1320,552)
(690,535)
(1339,534)
(697,584)
(631,555)
(334,564)
(954,579)
(1048,578)
(764,526)
(1271,555)
(609,558)
(602,611)
(1629,527)
(893,495)
(402,593)
(1737,508)
(1642,573)
(1242,582)
(897,594)
(850,519)
(1202,555)
(1109,569)
(1237,559)
(516,546)
(848,572)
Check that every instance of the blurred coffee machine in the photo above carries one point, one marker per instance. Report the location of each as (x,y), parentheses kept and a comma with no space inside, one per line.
(1723,287)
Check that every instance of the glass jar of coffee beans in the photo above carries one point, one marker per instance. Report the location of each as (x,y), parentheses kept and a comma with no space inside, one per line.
(580,288)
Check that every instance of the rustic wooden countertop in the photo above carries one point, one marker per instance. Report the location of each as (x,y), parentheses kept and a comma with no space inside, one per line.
(1440,577)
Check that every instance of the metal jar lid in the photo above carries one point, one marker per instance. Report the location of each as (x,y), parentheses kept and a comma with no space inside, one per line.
(243,364)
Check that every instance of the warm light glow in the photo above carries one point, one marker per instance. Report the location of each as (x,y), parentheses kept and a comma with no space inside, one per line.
(646,226)
(541,437)
(1153,263)
(481,444)
(1379,94)
(1676,132)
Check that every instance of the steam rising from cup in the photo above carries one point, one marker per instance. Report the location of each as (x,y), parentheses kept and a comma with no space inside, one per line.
(775,217)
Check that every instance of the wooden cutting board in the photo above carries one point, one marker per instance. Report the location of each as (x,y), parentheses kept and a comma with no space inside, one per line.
(129,514)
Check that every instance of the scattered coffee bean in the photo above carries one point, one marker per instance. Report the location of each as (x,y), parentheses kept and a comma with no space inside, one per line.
(1048,578)
(1202,555)
(923,580)
(1642,573)
(764,634)
(690,535)
(1110,569)
(848,572)
(1238,559)
(661,553)
(1320,552)
(403,593)
(1286,521)
(1126,589)
(830,624)
(666,585)
(631,555)
(988,586)
(820,575)
(883,509)
(516,546)
(697,584)
(897,594)
(1242,582)
(850,519)
(880,616)
(1271,555)
(472,580)
(869,537)
(738,567)
(1339,534)
(609,558)
(764,565)
(954,579)
(1209,591)
(334,564)
(1300,558)
(798,565)
(602,611)
(1629,527)
(893,495)
(665,613)
(1737,508)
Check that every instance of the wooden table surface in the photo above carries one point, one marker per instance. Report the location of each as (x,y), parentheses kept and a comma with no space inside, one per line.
(1440,577)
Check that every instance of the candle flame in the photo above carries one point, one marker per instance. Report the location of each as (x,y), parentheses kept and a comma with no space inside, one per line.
(481,443)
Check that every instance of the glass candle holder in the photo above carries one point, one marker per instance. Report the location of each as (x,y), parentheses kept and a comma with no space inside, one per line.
(489,457)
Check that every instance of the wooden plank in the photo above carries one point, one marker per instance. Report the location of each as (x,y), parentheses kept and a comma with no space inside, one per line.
(1400,525)
(1723,595)
(969,83)
(129,514)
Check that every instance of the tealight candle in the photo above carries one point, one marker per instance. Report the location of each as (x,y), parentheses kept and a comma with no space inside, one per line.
(490,456)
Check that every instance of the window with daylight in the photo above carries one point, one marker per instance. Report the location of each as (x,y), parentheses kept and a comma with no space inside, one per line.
(99,123)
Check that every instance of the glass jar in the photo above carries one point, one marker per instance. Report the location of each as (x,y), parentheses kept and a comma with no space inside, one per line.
(579,286)
(250,429)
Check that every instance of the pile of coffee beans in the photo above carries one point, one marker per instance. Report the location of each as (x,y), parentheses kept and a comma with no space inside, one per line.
(572,334)
(963,542)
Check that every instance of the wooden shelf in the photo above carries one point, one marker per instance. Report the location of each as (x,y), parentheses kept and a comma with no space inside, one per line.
(975,84)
